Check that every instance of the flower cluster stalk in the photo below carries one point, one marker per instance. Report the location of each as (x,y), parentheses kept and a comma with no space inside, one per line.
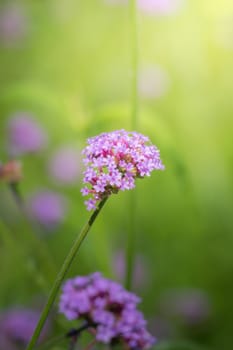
(130,249)
(61,274)
(135,63)
(36,242)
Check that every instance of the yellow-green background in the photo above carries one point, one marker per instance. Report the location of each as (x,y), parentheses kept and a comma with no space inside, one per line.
(72,72)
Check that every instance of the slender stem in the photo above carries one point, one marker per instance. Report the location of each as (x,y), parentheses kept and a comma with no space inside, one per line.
(20,202)
(71,334)
(37,244)
(131,243)
(130,250)
(5,235)
(14,187)
(75,333)
(16,246)
(61,274)
(135,61)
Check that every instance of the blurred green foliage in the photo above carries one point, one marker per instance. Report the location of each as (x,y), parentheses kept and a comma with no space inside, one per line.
(71,71)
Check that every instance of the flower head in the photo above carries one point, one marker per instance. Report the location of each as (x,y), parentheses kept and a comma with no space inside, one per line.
(114,160)
(109,309)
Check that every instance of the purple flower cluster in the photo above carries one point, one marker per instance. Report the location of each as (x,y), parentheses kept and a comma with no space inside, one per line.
(108,307)
(114,160)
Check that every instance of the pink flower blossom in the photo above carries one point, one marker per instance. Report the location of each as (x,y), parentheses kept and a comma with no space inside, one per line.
(114,161)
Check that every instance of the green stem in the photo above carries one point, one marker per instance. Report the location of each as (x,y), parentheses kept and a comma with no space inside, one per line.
(6,236)
(37,244)
(135,61)
(16,247)
(61,274)
(130,250)
(130,253)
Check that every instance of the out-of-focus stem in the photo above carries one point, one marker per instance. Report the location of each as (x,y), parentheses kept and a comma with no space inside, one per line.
(135,61)
(130,253)
(130,250)
(38,245)
(61,274)
(16,246)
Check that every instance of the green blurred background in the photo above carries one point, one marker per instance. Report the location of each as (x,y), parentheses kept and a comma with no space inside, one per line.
(68,64)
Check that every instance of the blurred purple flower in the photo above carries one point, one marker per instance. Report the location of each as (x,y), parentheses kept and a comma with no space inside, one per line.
(140,277)
(163,328)
(65,166)
(6,344)
(160,7)
(114,160)
(25,135)
(190,306)
(47,207)
(108,308)
(153,82)
(13,24)
(17,326)
(156,7)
